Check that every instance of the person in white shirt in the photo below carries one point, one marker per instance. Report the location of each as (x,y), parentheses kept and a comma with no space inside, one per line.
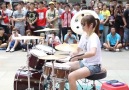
(54,40)
(90,45)
(14,44)
(5,15)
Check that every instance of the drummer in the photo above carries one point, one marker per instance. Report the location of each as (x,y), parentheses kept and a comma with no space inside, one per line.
(89,63)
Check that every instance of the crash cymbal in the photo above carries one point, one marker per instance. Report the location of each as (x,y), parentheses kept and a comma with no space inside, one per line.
(52,57)
(47,29)
(26,37)
(67,47)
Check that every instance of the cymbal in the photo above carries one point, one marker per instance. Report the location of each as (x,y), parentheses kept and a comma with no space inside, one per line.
(52,57)
(47,29)
(26,37)
(67,47)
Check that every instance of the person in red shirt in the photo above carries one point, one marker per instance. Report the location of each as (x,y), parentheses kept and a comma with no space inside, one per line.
(41,22)
(66,19)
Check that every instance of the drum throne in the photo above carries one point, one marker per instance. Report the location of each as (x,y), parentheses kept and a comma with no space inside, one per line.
(94,77)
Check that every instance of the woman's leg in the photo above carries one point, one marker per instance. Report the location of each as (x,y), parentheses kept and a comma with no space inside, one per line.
(77,74)
(74,66)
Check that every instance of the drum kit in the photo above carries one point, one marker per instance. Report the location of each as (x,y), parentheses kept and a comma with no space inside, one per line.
(42,60)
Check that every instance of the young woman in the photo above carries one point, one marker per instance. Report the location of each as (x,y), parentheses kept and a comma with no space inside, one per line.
(91,59)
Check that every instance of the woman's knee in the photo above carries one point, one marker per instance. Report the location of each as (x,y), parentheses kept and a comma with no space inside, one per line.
(71,77)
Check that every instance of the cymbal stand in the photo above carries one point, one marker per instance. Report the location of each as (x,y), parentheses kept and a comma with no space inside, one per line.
(28,56)
(53,72)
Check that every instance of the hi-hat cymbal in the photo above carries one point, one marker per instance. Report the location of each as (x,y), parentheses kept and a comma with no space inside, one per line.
(67,47)
(47,29)
(26,37)
(52,57)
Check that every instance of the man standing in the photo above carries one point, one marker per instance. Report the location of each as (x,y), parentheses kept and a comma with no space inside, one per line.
(5,16)
(32,17)
(52,16)
(41,22)
(126,30)
(19,19)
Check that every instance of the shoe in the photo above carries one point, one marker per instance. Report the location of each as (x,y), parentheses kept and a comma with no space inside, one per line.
(12,50)
(117,50)
(126,48)
(106,49)
(7,50)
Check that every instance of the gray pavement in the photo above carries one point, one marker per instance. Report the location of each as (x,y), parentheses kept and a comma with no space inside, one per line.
(116,63)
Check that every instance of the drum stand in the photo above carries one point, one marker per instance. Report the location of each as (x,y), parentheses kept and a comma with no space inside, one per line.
(28,67)
(53,72)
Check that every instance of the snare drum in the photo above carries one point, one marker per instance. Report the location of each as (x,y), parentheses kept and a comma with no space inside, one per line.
(46,49)
(34,62)
(61,70)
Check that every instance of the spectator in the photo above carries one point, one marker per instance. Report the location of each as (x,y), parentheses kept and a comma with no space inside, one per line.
(77,8)
(52,16)
(126,30)
(19,19)
(101,26)
(54,40)
(66,19)
(3,39)
(32,17)
(60,11)
(106,13)
(120,21)
(5,15)
(113,41)
(42,39)
(14,45)
(30,43)
(41,22)
(70,38)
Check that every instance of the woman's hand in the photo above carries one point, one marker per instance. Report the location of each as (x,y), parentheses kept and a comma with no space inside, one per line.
(74,59)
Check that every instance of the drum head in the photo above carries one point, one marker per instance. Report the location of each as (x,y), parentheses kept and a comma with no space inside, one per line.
(37,53)
(76,20)
(58,66)
(46,49)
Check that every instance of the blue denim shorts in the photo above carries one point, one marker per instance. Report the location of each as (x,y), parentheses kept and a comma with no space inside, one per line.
(93,68)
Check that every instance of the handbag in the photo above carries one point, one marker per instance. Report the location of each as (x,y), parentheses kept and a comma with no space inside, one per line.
(6,19)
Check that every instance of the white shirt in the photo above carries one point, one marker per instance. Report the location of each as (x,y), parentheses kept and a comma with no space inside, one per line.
(86,44)
(55,39)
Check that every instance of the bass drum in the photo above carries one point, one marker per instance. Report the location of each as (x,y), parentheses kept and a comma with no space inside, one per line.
(21,80)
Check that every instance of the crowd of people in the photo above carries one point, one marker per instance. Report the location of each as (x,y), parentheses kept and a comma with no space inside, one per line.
(25,18)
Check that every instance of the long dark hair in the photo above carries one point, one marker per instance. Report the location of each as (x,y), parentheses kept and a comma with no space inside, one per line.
(88,19)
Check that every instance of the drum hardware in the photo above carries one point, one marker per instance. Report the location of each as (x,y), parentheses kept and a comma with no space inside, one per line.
(47,29)
(28,55)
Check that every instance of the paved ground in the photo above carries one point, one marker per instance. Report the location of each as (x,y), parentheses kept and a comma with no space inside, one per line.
(116,63)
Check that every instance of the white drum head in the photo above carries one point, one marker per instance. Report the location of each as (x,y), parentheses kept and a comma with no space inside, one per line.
(46,49)
(76,20)
(58,66)
(37,53)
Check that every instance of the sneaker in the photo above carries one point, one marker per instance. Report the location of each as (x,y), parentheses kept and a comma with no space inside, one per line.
(7,50)
(126,48)
(12,50)
(117,50)
(106,49)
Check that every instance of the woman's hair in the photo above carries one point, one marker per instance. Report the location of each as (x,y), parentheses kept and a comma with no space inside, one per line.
(89,19)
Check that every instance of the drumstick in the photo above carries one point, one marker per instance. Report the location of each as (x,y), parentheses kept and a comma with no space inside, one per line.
(76,56)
